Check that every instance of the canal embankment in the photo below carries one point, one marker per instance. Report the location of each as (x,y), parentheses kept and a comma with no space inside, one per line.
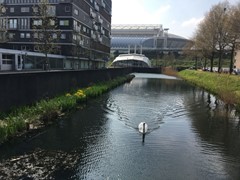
(224,86)
(21,88)
(27,118)
(25,88)
(102,139)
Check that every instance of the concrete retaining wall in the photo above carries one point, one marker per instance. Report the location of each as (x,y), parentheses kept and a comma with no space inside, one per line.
(24,88)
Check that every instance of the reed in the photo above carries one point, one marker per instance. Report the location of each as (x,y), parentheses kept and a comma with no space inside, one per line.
(23,119)
(169,71)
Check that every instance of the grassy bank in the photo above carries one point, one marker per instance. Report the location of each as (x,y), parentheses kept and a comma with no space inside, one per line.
(225,86)
(21,120)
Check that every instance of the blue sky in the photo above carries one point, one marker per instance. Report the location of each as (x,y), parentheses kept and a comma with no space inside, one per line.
(180,16)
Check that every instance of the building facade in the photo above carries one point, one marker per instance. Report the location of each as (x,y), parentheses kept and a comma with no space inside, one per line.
(237,60)
(149,39)
(84,27)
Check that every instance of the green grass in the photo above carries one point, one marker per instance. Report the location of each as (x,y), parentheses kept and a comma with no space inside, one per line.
(44,112)
(225,86)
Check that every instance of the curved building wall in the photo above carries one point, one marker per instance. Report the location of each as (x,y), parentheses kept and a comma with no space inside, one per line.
(131,60)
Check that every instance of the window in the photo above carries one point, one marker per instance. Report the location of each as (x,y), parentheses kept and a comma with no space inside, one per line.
(11,35)
(52,22)
(40,35)
(35,9)
(24,9)
(64,23)
(23,47)
(24,23)
(67,9)
(35,35)
(13,23)
(37,22)
(54,36)
(36,48)
(3,24)
(51,10)
(77,26)
(11,9)
(76,12)
(22,35)
(2,36)
(28,35)
(74,37)
(63,36)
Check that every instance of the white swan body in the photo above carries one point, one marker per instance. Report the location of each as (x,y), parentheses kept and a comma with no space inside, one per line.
(143,127)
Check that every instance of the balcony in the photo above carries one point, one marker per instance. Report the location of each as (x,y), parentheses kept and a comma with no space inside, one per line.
(96,6)
(64,1)
(95,27)
(99,38)
(81,42)
(102,31)
(100,20)
(94,36)
(103,3)
(93,14)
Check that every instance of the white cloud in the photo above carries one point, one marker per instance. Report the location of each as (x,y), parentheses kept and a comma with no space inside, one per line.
(186,28)
(134,12)
(193,22)
(160,14)
(167,13)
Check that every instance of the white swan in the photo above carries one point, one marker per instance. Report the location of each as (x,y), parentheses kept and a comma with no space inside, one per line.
(143,127)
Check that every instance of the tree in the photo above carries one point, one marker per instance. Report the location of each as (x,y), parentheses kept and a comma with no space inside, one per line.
(169,60)
(220,16)
(212,34)
(217,19)
(3,25)
(205,40)
(46,34)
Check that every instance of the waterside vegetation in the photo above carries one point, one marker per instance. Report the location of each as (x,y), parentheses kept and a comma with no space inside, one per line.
(225,86)
(24,119)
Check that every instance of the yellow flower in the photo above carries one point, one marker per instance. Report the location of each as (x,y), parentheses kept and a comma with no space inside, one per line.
(80,94)
(3,124)
(68,94)
(80,91)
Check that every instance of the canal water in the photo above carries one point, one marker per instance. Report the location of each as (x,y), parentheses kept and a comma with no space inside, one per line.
(191,135)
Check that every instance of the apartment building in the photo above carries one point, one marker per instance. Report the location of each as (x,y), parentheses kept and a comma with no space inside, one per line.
(84,26)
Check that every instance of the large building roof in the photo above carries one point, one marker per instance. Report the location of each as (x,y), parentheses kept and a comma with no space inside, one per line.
(137,29)
(137,26)
(148,36)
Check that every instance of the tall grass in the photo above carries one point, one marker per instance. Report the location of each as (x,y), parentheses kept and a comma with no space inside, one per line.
(169,71)
(225,86)
(44,112)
